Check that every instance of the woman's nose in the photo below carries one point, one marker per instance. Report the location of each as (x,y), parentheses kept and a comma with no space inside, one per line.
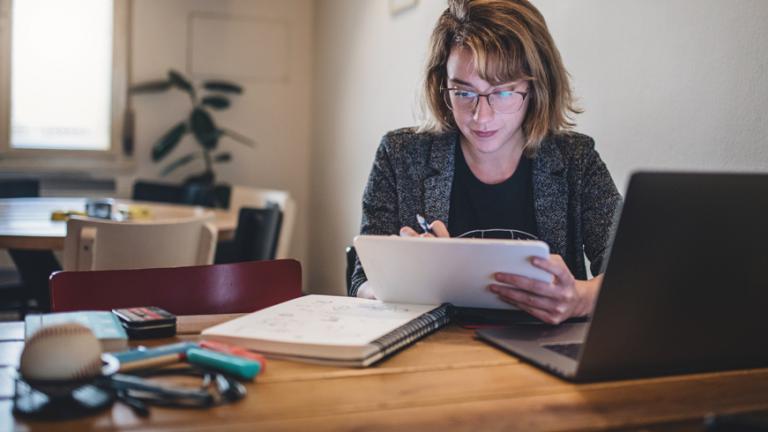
(483,110)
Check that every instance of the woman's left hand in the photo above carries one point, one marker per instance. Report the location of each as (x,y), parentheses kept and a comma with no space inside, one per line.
(552,302)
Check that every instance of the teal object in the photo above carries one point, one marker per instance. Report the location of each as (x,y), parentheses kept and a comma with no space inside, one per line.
(233,365)
(147,353)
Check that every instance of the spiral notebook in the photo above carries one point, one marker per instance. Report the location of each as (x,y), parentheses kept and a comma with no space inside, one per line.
(334,330)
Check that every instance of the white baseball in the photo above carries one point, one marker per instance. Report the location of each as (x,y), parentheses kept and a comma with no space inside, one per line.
(62,352)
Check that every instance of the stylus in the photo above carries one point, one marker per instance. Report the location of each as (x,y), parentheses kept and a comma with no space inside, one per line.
(423,224)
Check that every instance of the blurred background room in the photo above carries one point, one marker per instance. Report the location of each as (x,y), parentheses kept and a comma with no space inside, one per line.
(664,84)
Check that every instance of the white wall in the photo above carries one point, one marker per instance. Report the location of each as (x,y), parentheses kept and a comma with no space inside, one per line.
(665,84)
(275,113)
(672,84)
(367,68)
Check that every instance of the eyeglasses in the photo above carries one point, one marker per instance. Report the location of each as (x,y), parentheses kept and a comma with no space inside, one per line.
(503,101)
(497,233)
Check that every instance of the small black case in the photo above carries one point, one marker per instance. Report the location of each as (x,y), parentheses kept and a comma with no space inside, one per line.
(147,322)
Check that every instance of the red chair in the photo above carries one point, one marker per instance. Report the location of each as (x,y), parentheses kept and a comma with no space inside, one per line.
(197,290)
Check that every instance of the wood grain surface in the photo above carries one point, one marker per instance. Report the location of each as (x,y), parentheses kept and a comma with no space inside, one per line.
(447,381)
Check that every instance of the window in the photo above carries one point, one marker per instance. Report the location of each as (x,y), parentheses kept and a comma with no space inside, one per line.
(64,76)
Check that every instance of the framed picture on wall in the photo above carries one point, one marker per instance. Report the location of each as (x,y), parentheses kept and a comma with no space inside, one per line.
(399,6)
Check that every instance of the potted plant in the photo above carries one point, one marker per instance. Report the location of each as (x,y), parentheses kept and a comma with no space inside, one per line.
(211,95)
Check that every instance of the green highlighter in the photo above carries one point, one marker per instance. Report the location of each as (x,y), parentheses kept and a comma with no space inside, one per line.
(233,365)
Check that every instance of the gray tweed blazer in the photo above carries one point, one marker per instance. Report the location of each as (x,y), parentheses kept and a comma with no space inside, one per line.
(574,194)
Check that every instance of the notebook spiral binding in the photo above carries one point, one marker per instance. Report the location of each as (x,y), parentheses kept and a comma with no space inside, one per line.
(414,330)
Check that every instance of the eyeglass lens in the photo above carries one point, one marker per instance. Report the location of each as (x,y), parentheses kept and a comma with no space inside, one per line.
(502,101)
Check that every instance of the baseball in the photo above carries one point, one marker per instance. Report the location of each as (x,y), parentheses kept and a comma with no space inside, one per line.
(62,352)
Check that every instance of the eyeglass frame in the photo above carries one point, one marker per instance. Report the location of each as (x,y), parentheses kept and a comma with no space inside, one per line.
(478,95)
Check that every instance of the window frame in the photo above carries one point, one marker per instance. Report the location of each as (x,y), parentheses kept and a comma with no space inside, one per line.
(115,157)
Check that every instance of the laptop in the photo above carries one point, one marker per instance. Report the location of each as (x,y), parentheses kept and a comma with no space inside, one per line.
(685,288)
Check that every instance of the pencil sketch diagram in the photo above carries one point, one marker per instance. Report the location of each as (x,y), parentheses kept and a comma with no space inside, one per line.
(312,320)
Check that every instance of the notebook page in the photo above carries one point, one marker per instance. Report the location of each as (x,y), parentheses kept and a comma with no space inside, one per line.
(322,320)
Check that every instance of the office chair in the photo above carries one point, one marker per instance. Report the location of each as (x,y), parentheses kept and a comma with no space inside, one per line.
(250,197)
(351,259)
(19,188)
(217,196)
(209,289)
(255,237)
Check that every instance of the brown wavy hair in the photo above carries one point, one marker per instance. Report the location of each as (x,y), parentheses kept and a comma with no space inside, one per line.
(509,40)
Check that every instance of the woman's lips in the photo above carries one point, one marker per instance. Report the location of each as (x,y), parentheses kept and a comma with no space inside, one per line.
(484,134)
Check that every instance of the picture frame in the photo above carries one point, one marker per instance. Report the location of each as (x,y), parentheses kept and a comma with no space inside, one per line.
(397,7)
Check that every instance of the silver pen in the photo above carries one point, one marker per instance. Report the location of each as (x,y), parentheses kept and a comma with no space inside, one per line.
(423,224)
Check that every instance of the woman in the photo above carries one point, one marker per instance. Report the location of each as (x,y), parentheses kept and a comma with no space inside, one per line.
(497,154)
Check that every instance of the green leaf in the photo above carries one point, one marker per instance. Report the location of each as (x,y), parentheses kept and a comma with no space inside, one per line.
(242,139)
(223,86)
(156,86)
(216,102)
(204,129)
(167,142)
(178,163)
(222,157)
(179,81)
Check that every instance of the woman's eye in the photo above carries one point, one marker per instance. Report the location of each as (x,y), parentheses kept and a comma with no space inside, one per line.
(464,94)
(505,93)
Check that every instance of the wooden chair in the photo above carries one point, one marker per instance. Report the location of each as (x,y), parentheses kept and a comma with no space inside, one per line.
(95,244)
(210,289)
(262,198)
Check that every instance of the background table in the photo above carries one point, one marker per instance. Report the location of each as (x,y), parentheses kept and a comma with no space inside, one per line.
(447,381)
(25,223)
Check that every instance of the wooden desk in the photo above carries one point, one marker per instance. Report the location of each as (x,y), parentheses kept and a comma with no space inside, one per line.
(25,223)
(448,381)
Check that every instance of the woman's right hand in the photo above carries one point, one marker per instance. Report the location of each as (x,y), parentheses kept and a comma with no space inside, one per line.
(438,228)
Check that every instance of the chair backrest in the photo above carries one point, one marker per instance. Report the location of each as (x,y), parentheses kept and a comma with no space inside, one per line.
(351,259)
(222,288)
(95,244)
(255,237)
(261,198)
(158,192)
(217,196)
(19,188)
(257,232)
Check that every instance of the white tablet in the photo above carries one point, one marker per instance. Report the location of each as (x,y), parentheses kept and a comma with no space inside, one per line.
(445,270)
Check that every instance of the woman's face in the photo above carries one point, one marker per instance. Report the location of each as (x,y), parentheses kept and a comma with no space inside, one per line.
(485,130)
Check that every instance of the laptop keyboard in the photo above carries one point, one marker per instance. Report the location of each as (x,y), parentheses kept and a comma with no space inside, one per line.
(567,349)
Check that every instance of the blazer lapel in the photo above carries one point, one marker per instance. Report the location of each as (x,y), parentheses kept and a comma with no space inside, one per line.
(438,181)
(550,196)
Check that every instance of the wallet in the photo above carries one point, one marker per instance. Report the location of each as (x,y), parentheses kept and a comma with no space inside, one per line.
(147,322)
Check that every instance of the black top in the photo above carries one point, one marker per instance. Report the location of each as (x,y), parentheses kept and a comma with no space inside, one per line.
(500,207)
(573,193)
